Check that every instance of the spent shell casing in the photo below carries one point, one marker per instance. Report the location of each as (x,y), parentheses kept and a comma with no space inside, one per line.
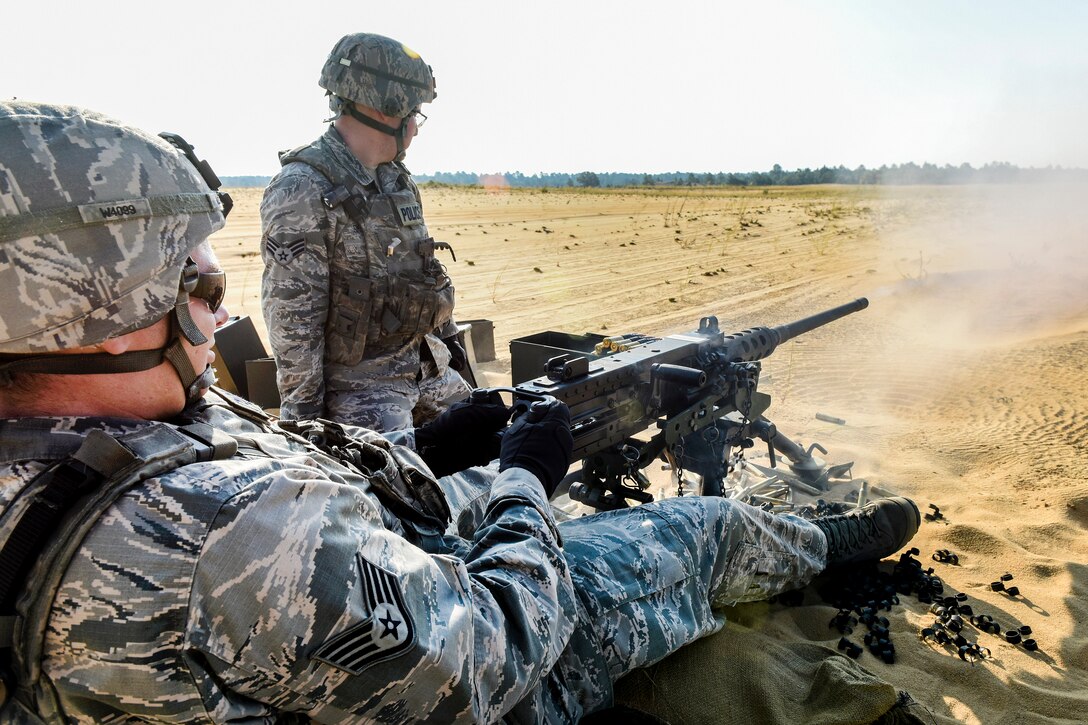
(830,419)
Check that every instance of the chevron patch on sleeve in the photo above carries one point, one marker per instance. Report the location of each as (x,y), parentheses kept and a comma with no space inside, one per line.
(386,633)
(284,252)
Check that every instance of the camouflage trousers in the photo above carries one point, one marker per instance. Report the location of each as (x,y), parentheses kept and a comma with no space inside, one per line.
(649,579)
(398,401)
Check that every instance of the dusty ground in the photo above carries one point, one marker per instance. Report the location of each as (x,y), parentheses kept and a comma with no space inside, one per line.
(962,385)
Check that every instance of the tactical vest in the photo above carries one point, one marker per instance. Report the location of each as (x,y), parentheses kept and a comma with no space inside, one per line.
(55,511)
(396,289)
(46,523)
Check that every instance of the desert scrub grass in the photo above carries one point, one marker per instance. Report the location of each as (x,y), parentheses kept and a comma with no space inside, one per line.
(914,273)
(494,286)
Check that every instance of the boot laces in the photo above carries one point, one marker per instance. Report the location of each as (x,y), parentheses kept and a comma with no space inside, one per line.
(851,532)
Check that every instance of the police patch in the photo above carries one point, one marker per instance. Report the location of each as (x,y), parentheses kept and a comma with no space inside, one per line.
(410,214)
(386,633)
(284,252)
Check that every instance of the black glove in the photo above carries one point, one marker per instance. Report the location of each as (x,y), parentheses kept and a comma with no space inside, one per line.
(540,442)
(458,356)
(464,435)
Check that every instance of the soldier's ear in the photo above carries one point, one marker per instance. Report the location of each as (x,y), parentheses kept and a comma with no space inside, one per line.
(147,338)
(117,345)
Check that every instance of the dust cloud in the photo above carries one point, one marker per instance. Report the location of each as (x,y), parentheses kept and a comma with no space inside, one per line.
(988,265)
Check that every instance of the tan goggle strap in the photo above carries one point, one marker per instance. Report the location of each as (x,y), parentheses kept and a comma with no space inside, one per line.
(182,318)
(182,324)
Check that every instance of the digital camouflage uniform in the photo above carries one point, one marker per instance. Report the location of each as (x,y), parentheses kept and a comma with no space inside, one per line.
(186,602)
(347,309)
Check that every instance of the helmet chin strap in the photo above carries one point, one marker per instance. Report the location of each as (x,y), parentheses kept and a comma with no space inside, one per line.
(183,325)
(134,361)
(400,133)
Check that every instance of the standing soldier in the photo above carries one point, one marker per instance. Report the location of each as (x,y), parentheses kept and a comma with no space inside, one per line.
(359,310)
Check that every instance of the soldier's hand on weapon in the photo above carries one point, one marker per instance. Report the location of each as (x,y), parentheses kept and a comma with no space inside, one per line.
(464,435)
(458,356)
(540,441)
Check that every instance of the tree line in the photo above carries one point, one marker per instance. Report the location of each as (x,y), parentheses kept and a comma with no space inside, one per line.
(908,173)
(900,174)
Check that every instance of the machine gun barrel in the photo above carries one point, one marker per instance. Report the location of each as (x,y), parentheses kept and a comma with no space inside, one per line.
(791,330)
(757,343)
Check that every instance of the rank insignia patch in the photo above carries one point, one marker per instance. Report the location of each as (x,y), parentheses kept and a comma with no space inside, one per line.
(284,252)
(386,633)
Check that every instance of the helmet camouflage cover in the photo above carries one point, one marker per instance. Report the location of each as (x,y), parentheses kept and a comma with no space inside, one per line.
(97,220)
(378,72)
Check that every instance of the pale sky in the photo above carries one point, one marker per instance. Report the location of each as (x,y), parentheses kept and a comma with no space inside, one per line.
(561,86)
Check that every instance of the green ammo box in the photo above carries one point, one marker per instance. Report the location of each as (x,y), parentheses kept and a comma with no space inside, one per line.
(482,336)
(236,342)
(261,374)
(529,354)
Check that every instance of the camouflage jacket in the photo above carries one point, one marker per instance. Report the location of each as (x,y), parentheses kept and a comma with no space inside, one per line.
(345,305)
(274,582)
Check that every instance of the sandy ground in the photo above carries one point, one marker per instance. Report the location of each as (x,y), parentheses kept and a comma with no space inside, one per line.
(963,384)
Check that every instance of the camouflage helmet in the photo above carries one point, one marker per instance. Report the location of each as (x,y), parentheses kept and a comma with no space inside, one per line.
(97,221)
(378,72)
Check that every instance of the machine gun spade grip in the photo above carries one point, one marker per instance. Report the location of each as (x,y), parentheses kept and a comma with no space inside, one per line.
(525,403)
(539,409)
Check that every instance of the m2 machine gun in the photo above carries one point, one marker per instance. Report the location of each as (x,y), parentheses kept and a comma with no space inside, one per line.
(695,395)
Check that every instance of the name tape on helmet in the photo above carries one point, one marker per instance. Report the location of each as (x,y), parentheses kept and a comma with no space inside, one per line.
(115,210)
(52,221)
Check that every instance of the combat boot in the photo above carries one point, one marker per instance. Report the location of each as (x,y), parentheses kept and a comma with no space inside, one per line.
(871,532)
